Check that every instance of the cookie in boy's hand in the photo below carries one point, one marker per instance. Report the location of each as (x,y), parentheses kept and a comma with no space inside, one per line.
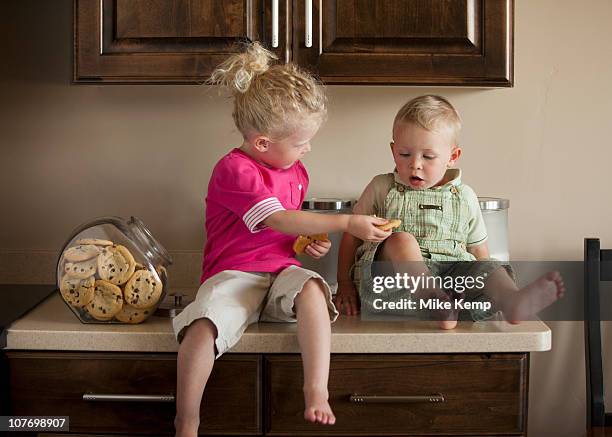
(391,224)
(302,241)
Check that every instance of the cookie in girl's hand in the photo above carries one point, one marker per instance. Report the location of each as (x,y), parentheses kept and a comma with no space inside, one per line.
(391,224)
(302,241)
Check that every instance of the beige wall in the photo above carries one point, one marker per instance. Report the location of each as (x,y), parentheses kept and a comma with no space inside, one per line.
(70,153)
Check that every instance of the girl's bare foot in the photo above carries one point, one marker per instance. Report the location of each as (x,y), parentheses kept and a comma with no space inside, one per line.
(317,407)
(533,298)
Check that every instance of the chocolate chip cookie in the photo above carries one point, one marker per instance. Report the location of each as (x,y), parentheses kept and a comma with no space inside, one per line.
(81,270)
(116,264)
(143,289)
(77,292)
(81,252)
(95,241)
(130,314)
(107,301)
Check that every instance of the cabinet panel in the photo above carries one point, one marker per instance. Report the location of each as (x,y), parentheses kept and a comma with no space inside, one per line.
(161,41)
(434,42)
(402,27)
(405,395)
(47,383)
(179,18)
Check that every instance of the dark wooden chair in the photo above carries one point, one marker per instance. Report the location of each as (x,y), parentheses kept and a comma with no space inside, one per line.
(597,268)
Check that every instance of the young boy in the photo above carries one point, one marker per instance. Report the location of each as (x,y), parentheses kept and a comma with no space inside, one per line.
(442,232)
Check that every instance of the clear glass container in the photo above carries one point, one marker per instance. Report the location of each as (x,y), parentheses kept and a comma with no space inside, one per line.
(495,215)
(112,270)
(327,266)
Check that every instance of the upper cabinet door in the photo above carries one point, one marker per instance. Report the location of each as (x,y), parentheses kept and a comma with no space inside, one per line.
(164,40)
(409,42)
(412,42)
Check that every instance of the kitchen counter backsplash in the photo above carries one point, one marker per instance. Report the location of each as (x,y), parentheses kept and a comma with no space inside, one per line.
(38,267)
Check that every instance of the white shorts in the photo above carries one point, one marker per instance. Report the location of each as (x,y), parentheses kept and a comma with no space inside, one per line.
(232,300)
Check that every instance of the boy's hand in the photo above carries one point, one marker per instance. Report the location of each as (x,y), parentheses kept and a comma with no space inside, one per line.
(364,227)
(318,248)
(347,298)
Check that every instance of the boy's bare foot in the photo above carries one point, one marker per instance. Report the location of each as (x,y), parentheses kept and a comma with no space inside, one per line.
(533,298)
(447,324)
(317,407)
(447,317)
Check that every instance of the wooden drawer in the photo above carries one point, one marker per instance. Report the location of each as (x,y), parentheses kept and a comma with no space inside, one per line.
(49,383)
(483,395)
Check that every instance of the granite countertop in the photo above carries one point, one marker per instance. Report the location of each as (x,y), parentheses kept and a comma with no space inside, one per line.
(52,326)
(17,300)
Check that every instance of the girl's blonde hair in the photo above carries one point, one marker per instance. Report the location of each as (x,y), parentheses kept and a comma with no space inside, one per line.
(271,99)
(430,112)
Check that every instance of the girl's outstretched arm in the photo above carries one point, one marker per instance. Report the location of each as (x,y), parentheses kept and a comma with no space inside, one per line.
(308,223)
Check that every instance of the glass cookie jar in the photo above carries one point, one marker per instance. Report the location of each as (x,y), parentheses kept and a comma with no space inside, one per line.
(112,270)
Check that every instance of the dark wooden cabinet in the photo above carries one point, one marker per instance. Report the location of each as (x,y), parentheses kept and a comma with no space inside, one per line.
(131,393)
(159,41)
(412,42)
(393,394)
(405,395)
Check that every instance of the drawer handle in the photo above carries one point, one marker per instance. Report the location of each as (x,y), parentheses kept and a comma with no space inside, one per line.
(96,397)
(374,399)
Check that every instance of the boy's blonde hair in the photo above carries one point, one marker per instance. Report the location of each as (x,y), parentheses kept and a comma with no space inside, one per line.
(270,99)
(432,113)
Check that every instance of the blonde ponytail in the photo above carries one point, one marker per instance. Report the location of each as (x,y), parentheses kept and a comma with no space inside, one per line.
(270,99)
(238,71)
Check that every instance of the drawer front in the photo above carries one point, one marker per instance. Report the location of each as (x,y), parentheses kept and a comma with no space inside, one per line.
(404,395)
(48,383)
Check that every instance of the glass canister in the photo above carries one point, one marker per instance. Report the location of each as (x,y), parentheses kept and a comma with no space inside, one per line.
(495,215)
(328,265)
(112,270)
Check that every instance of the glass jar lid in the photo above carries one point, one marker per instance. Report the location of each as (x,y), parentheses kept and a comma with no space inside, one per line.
(493,203)
(154,250)
(327,204)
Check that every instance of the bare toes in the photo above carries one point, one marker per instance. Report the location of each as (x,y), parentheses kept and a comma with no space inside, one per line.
(559,283)
(553,276)
(309,415)
(448,324)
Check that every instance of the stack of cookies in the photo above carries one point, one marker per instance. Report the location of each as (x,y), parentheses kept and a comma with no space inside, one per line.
(103,280)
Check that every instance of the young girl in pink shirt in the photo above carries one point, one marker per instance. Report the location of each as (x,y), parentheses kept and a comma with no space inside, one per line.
(253,216)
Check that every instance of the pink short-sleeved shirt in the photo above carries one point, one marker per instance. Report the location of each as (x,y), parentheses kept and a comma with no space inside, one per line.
(242,193)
